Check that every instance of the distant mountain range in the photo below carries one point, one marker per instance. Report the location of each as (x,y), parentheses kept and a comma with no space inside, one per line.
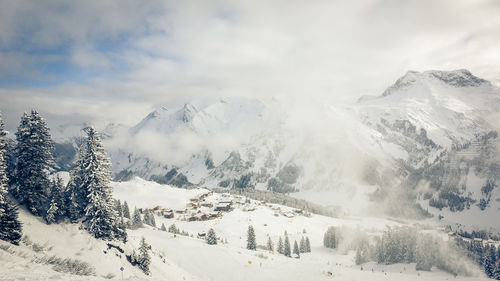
(430,138)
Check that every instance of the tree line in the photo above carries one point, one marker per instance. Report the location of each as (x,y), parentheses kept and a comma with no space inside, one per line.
(27,174)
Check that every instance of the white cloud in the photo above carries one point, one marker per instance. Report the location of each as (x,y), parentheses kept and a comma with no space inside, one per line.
(178,50)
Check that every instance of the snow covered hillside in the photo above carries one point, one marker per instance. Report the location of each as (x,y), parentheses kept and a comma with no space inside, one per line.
(183,253)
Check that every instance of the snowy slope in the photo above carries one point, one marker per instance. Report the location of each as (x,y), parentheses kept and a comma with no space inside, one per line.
(68,241)
(231,261)
(178,257)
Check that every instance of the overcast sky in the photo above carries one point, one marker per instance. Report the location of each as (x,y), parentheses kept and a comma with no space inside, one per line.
(117,60)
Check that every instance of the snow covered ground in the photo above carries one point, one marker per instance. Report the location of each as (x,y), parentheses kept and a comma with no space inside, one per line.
(178,257)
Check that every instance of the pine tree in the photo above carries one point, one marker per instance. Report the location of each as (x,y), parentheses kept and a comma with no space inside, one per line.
(163,228)
(496,274)
(57,206)
(149,218)
(77,192)
(287,250)
(126,210)
(296,250)
(251,243)
(270,244)
(118,207)
(136,219)
(308,245)
(144,260)
(10,227)
(330,239)
(490,262)
(34,162)
(280,248)
(211,238)
(100,214)
(302,247)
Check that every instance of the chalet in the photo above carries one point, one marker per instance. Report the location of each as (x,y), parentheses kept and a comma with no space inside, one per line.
(192,205)
(207,204)
(225,207)
(298,211)
(214,215)
(192,218)
(202,217)
(180,211)
(289,214)
(168,215)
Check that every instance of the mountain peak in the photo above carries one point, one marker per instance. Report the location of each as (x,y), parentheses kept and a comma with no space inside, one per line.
(456,78)
(188,112)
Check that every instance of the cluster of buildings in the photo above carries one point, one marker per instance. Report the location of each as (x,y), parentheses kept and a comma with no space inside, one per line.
(207,207)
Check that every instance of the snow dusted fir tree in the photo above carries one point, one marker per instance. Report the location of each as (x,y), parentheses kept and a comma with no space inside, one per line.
(10,227)
(144,260)
(163,228)
(287,251)
(251,243)
(149,218)
(57,206)
(302,247)
(308,245)
(280,249)
(34,162)
(296,250)
(100,215)
(77,194)
(126,210)
(119,209)
(490,262)
(270,244)
(136,219)
(211,237)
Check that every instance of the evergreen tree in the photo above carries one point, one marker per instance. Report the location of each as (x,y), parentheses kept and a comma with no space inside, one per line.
(136,219)
(147,217)
(34,162)
(144,260)
(100,214)
(118,208)
(251,243)
(498,253)
(287,250)
(296,250)
(126,210)
(173,229)
(56,210)
(280,248)
(163,228)
(308,245)
(496,274)
(270,245)
(10,227)
(211,238)
(302,247)
(490,262)
(77,192)
(331,238)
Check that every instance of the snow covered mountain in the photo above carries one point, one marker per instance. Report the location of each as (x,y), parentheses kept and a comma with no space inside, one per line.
(445,122)
(429,138)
